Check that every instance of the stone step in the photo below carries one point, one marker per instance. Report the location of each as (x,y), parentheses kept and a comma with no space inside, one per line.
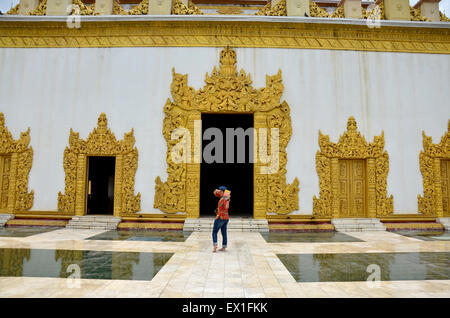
(4,217)
(94,222)
(234,225)
(357,225)
(445,222)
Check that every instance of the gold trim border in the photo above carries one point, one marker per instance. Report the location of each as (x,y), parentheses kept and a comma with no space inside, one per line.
(182,33)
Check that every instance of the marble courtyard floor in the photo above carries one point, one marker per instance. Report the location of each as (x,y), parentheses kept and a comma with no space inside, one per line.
(251,267)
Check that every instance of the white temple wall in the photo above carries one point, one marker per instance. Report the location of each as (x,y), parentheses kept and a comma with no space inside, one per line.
(53,90)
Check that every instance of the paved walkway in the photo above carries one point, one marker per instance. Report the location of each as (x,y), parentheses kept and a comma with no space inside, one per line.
(249,268)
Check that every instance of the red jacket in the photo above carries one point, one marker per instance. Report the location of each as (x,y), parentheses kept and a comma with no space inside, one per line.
(222,209)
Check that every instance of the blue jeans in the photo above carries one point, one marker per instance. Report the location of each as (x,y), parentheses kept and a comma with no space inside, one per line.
(222,225)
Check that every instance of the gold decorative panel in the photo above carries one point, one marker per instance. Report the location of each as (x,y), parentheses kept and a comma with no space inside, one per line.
(226,91)
(16,158)
(101,142)
(432,163)
(194,33)
(342,179)
(5,174)
(352,188)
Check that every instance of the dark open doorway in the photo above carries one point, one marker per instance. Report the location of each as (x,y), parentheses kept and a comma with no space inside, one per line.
(234,173)
(100,186)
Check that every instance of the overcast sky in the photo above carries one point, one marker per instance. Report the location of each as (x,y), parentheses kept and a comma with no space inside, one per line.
(444,5)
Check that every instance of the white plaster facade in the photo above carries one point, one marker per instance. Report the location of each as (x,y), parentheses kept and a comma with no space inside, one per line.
(52,90)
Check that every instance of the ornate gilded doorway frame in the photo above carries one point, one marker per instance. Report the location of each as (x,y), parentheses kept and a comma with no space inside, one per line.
(431,203)
(15,170)
(101,142)
(352,145)
(226,91)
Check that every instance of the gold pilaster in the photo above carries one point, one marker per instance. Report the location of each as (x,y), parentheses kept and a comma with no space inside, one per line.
(12,183)
(371,189)
(260,181)
(118,186)
(438,187)
(335,187)
(193,167)
(80,202)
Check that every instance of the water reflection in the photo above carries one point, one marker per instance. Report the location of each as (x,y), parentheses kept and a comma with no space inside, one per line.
(92,264)
(143,235)
(302,237)
(426,235)
(354,266)
(24,231)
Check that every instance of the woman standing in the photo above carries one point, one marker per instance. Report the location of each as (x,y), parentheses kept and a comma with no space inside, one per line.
(222,217)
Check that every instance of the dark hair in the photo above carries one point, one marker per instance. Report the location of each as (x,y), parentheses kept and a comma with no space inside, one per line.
(222,188)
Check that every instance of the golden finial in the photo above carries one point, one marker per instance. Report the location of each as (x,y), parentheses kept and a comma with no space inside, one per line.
(102,123)
(351,124)
(227,62)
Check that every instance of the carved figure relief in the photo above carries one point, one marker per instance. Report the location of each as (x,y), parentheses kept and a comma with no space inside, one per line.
(101,142)
(352,145)
(226,91)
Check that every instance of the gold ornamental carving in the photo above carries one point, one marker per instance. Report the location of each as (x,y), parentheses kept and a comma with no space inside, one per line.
(229,10)
(338,13)
(16,171)
(226,91)
(278,10)
(14,10)
(82,9)
(118,9)
(352,145)
(430,204)
(443,17)
(140,9)
(41,9)
(416,14)
(100,142)
(179,8)
(316,11)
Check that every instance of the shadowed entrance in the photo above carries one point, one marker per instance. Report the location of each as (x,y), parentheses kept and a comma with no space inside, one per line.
(100,187)
(234,173)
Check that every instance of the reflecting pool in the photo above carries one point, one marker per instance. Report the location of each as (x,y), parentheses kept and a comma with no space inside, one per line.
(349,267)
(143,235)
(426,235)
(82,264)
(305,237)
(24,231)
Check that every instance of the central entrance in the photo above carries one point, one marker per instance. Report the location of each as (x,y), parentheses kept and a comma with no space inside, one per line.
(100,187)
(227,160)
